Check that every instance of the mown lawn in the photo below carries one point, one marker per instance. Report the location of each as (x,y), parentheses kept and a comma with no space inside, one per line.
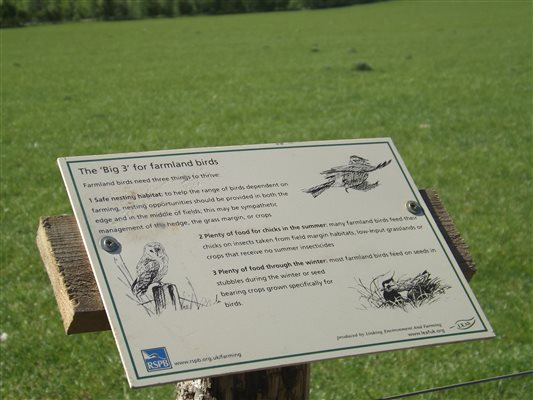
(451,84)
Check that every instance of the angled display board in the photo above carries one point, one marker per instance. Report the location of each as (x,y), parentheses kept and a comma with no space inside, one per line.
(218,260)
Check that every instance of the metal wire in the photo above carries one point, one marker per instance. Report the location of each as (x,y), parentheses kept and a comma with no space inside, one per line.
(436,389)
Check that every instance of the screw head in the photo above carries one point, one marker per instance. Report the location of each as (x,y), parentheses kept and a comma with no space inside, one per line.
(414,208)
(110,244)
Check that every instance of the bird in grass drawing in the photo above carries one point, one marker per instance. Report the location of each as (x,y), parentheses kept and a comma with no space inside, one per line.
(351,176)
(151,268)
(391,292)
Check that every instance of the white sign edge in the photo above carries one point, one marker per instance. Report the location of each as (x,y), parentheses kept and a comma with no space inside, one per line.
(107,297)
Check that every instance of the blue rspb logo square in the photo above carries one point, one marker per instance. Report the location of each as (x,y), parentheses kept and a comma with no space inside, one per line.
(156,359)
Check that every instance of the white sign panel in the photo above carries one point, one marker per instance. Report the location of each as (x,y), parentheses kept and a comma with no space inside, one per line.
(218,260)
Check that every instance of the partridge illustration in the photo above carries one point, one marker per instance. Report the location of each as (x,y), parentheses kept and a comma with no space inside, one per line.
(391,292)
(351,176)
(151,268)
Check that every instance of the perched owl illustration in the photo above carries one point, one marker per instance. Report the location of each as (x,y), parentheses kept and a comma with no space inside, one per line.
(151,268)
(351,176)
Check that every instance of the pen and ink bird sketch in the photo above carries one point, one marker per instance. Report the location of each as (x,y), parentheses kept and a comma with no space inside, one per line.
(386,291)
(151,268)
(148,288)
(354,176)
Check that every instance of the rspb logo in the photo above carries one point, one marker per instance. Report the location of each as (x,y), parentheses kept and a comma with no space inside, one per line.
(156,359)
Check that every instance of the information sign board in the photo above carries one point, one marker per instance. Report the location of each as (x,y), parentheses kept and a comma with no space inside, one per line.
(218,260)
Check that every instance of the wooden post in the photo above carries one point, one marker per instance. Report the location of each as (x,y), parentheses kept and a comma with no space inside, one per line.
(81,308)
(285,383)
(65,259)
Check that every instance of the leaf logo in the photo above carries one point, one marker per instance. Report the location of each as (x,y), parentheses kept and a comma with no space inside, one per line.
(464,324)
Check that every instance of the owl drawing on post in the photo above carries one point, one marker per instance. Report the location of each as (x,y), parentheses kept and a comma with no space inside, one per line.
(151,268)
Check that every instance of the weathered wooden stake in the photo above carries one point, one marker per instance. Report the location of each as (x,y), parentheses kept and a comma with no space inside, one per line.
(285,383)
(81,308)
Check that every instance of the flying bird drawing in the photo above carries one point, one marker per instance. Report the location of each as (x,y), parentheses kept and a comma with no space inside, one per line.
(151,268)
(150,355)
(351,176)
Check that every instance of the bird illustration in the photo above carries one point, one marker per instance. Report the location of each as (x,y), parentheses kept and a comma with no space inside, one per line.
(151,268)
(150,356)
(391,292)
(351,176)
(421,287)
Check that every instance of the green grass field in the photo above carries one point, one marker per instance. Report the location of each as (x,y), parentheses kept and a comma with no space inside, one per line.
(451,84)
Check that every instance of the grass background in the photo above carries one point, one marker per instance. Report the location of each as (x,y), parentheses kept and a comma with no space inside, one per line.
(452,85)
